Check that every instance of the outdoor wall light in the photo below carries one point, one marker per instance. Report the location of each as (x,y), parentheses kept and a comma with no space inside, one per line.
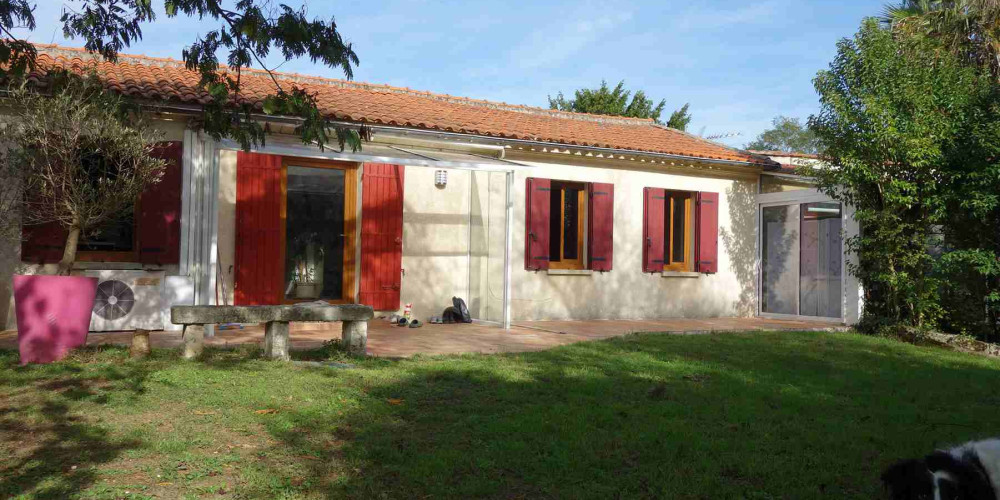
(441,178)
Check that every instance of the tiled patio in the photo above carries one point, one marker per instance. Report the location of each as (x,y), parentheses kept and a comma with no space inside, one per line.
(390,341)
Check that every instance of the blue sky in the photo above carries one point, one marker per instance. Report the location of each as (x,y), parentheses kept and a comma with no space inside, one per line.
(739,63)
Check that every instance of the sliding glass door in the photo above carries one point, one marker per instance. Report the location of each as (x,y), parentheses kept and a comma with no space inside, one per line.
(802,259)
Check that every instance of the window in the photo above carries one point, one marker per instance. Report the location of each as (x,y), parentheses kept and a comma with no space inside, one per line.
(567,222)
(115,235)
(568,225)
(150,234)
(678,232)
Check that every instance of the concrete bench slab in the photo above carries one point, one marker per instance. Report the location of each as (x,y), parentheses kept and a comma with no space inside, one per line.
(194,318)
(310,312)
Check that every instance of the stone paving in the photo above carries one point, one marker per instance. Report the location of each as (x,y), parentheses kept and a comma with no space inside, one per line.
(391,341)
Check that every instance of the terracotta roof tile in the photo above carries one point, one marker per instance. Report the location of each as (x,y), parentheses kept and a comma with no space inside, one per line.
(167,79)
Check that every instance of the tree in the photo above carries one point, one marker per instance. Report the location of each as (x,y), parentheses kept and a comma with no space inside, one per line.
(969,29)
(85,155)
(906,128)
(680,119)
(607,101)
(249,32)
(788,135)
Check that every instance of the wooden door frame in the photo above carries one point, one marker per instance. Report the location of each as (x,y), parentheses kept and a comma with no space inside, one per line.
(349,282)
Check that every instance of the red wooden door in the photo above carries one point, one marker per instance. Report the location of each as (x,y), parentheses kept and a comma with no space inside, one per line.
(381,235)
(259,265)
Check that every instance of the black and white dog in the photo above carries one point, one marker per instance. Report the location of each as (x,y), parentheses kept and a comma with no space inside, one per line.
(967,472)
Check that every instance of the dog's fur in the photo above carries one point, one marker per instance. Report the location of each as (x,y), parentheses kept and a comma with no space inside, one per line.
(967,472)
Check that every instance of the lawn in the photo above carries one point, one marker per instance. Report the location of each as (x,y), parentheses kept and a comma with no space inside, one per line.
(757,415)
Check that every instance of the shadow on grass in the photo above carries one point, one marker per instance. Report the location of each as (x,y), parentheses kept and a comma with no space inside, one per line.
(51,415)
(57,451)
(651,416)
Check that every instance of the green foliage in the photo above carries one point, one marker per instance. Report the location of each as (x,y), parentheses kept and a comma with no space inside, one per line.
(912,133)
(970,29)
(607,101)
(249,32)
(789,135)
(680,119)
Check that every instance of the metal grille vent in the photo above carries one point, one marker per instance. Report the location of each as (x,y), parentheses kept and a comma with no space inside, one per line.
(114,300)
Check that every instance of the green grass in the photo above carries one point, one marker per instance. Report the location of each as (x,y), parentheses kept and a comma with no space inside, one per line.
(756,416)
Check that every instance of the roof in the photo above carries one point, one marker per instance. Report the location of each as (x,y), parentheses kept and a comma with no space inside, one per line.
(168,80)
(790,154)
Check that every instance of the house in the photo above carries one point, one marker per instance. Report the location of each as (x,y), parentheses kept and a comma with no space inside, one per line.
(526,213)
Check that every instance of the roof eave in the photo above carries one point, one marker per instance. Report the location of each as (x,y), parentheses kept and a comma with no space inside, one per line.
(194,109)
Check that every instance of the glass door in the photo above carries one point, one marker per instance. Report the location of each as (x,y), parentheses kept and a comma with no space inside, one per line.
(315,235)
(802,259)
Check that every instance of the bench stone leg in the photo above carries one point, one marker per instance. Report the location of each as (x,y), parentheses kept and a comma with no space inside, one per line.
(355,337)
(276,341)
(194,341)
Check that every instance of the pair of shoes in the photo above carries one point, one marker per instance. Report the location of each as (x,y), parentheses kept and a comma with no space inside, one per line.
(413,323)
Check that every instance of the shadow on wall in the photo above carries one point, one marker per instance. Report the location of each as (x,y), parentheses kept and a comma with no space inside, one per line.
(741,243)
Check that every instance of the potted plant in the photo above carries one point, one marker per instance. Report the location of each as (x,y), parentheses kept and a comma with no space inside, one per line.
(307,273)
(85,155)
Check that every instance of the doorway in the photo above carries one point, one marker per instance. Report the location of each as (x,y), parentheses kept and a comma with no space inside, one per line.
(802,258)
(318,230)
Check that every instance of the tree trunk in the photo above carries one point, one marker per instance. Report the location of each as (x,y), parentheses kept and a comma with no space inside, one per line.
(69,251)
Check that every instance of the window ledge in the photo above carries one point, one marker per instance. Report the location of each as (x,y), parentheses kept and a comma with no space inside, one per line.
(679,274)
(570,272)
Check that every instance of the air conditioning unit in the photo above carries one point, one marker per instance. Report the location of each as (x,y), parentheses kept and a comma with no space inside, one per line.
(127,300)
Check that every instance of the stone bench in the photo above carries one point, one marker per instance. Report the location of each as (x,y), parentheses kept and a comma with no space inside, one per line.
(194,318)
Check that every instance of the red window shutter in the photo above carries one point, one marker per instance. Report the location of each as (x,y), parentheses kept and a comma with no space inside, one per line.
(601,229)
(259,268)
(381,235)
(706,247)
(653,229)
(43,243)
(159,219)
(536,223)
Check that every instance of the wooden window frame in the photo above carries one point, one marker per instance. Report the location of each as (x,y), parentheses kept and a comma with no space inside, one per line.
(349,286)
(580,262)
(669,264)
(125,256)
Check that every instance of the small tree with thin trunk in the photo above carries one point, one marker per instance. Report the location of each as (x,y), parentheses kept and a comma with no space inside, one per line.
(85,155)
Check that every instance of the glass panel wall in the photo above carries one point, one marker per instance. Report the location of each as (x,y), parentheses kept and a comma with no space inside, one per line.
(780,259)
(314,234)
(821,258)
(802,259)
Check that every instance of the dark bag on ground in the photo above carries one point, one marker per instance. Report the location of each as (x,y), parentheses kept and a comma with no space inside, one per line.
(451,315)
(463,311)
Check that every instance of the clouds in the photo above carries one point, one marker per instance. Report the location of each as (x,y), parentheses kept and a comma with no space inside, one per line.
(556,41)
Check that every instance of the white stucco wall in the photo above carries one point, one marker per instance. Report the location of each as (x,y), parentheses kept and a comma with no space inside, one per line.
(626,292)
(454,237)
